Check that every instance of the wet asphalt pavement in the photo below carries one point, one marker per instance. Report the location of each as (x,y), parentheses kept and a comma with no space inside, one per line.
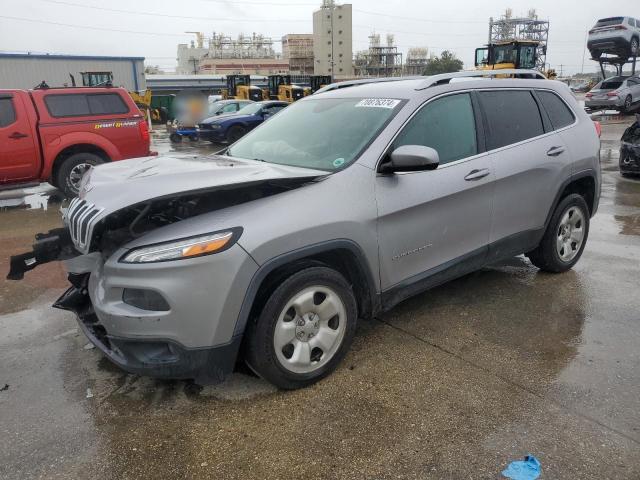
(454,383)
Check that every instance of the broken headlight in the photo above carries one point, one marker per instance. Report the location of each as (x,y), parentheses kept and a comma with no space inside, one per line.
(184,248)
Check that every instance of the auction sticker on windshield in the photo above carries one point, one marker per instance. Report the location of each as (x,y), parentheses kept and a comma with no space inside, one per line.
(378,102)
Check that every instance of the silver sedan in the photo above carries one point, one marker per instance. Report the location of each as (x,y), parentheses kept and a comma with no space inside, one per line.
(614,93)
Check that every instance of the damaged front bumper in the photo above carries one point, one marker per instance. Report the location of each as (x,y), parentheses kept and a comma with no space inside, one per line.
(159,358)
(630,158)
(192,339)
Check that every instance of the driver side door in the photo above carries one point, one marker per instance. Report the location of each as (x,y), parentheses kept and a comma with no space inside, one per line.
(434,225)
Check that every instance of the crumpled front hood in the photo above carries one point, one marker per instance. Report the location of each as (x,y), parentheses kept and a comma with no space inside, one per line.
(120,184)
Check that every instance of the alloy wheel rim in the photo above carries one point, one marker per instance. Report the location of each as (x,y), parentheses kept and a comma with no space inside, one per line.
(310,329)
(76,174)
(570,234)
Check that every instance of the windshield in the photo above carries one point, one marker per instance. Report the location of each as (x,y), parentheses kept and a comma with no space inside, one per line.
(324,134)
(527,57)
(505,54)
(250,109)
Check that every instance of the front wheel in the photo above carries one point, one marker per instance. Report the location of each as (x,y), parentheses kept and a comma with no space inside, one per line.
(70,173)
(235,133)
(175,138)
(305,329)
(565,238)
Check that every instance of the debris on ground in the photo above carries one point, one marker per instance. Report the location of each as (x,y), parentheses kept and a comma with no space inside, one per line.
(89,393)
(89,346)
(6,387)
(527,469)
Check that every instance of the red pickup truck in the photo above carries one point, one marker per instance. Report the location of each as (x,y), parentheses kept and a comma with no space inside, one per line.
(57,134)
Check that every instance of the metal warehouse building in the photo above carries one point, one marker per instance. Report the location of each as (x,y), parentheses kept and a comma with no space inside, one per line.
(21,70)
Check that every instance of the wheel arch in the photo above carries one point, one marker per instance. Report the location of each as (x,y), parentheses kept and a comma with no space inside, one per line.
(72,150)
(344,256)
(584,184)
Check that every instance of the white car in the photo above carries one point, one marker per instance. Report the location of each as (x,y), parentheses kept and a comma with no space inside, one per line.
(615,35)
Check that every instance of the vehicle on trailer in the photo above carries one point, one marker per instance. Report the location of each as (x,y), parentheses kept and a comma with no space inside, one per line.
(615,35)
(56,134)
(630,150)
(239,88)
(339,207)
(281,88)
(614,93)
(230,128)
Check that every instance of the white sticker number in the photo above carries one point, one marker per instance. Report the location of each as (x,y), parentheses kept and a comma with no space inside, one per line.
(378,102)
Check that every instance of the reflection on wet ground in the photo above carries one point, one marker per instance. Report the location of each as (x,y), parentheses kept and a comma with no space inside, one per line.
(454,383)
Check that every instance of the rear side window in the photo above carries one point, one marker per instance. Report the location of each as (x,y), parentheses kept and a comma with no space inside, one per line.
(558,112)
(512,116)
(7,112)
(79,105)
(611,85)
(447,125)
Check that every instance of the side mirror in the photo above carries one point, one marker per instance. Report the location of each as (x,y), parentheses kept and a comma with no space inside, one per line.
(411,158)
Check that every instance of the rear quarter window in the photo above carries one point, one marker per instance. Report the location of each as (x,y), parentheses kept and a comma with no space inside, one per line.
(511,115)
(559,114)
(7,112)
(80,105)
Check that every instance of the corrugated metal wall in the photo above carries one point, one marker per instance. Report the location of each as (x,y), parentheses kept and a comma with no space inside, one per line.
(25,72)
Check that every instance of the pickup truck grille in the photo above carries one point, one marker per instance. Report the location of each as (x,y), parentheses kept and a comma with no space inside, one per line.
(81,217)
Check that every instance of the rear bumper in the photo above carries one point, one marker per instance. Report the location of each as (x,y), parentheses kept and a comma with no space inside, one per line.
(613,102)
(608,42)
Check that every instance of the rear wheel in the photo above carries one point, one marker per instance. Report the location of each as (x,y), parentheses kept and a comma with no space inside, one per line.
(69,174)
(595,54)
(628,102)
(304,330)
(634,47)
(235,133)
(565,238)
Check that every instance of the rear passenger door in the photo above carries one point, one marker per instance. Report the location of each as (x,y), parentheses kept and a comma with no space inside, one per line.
(529,161)
(436,222)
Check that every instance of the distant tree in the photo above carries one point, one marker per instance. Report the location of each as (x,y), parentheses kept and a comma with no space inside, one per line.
(445,63)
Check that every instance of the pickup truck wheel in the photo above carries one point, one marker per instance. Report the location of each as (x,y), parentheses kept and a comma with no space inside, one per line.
(565,238)
(235,133)
(304,330)
(72,169)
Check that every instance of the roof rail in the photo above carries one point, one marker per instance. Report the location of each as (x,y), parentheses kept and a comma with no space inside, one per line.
(363,81)
(443,78)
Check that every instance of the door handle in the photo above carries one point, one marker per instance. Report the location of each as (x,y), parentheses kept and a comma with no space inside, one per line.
(555,151)
(477,174)
(17,135)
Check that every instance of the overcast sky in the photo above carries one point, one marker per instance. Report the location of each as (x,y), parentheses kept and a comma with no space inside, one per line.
(153,28)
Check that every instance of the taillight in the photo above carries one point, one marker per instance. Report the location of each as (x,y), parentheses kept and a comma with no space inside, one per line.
(589,95)
(144,130)
(598,127)
(612,94)
(619,27)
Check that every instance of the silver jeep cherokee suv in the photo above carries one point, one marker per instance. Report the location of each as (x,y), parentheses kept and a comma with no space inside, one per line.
(337,208)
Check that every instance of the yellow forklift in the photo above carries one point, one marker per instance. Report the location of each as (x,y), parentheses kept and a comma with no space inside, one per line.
(281,88)
(239,88)
(316,82)
(510,54)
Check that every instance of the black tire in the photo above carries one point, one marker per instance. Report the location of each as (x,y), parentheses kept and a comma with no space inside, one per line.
(628,104)
(235,133)
(260,351)
(634,47)
(546,256)
(175,138)
(193,138)
(595,54)
(68,174)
